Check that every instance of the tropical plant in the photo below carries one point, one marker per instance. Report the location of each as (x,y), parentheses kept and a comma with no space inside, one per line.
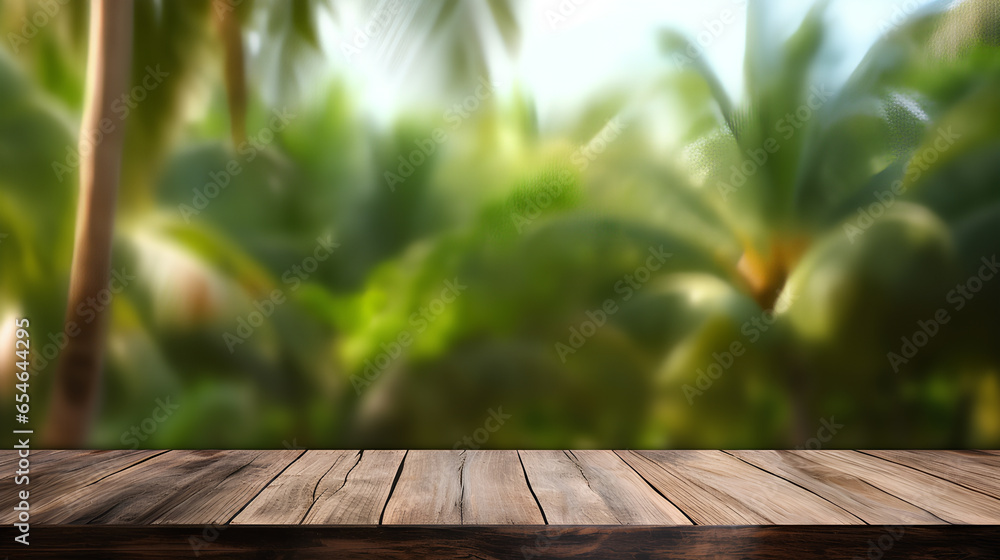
(767,218)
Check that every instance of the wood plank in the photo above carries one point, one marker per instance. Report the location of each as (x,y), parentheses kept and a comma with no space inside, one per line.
(978,471)
(429,490)
(328,488)
(594,488)
(462,487)
(216,505)
(315,542)
(147,490)
(57,473)
(713,488)
(360,497)
(949,501)
(867,502)
(287,500)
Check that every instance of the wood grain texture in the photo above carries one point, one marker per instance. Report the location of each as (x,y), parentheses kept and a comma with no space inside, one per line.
(714,488)
(312,542)
(360,497)
(974,470)
(216,504)
(57,473)
(462,487)
(288,499)
(946,500)
(594,488)
(484,488)
(805,469)
(144,492)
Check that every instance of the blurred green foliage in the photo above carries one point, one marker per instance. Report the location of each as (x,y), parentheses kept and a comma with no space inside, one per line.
(789,259)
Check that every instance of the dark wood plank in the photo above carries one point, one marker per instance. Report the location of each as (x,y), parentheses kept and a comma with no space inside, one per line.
(146,491)
(946,500)
(462,487)
(57,473)
(313,542)
(288,499)
(867,502)
(714,488)
(218,504)
(978,471)
(594,488)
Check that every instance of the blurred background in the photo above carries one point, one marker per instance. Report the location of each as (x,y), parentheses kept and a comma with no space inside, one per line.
(488,223)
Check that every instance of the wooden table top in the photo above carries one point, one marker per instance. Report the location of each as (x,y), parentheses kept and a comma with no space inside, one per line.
(453,488)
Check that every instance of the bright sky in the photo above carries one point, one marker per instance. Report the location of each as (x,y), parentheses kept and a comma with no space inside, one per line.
(574,48)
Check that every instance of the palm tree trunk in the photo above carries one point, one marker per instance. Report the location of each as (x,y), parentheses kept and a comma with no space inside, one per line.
(77,379)
(227,21)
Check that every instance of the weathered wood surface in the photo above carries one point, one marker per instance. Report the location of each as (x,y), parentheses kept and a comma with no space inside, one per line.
(313,542)
(714,488)
(595,488)
(462,488)
(474,487)
(502,504)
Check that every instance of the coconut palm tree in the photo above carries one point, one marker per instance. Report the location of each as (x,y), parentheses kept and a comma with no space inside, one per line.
(108,69)
(175,35)
(813,225)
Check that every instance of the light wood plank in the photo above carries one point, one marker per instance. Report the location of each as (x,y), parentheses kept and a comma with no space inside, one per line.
(287,500)
(147,490)
(867,502)
(713,488)
(949,501)
(360,497)
(978,471)
(462,487)
(595,488)
(218,504)
(429,490)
